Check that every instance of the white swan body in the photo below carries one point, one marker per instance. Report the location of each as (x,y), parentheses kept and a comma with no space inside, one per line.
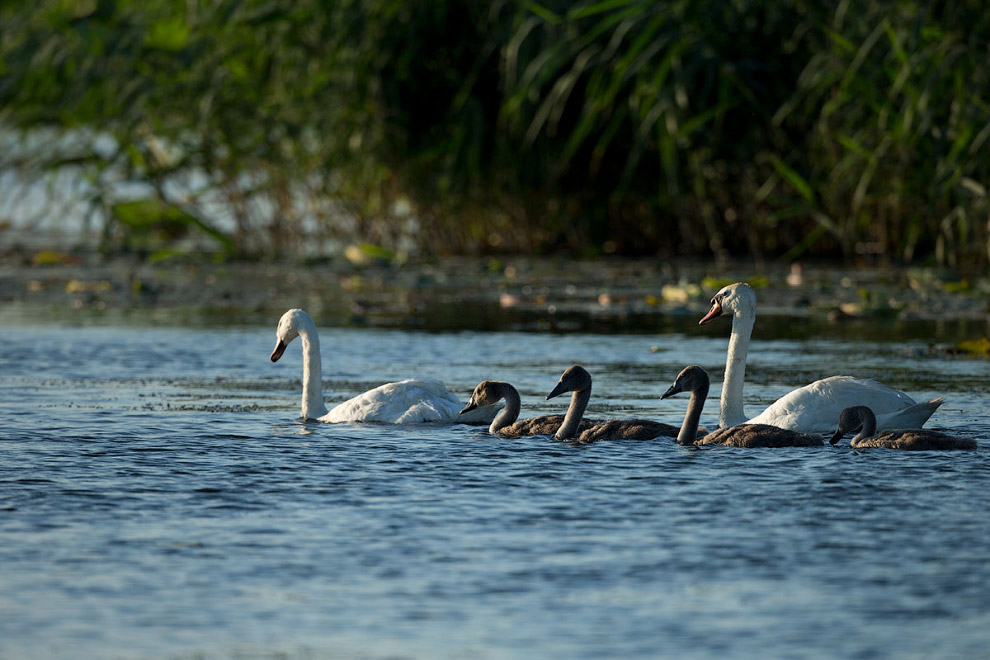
(408,401)
(809,409)
(404,402)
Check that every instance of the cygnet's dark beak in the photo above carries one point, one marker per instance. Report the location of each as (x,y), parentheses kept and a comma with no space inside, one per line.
(713,313)
(835,438)
(560,388)
(469,407)
(279,349)
(672,390)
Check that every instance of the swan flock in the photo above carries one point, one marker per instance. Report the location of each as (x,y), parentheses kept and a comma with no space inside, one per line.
(799,418)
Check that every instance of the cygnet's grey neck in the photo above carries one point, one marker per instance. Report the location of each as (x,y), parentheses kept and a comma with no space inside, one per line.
(869,421)
(689,428)
(575,411)
(510,413)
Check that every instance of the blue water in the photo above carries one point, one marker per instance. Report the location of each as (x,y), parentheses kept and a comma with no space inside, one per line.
(159,499)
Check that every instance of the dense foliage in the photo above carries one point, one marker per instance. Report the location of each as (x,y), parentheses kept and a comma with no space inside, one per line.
(632,126)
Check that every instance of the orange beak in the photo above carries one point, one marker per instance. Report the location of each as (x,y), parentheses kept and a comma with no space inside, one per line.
(713,313)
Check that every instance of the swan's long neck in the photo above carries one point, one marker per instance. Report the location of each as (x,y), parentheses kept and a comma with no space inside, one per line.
(731,403)
(312,393)
(510,412)
(689,428)
(575,411)
(869,427)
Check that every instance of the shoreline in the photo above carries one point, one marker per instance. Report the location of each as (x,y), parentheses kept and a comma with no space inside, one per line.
(252,292)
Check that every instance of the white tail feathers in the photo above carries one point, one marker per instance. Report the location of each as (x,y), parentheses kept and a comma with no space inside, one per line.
(912,417)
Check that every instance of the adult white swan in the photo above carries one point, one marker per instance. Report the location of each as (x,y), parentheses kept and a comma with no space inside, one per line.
(405,402)
(812,408)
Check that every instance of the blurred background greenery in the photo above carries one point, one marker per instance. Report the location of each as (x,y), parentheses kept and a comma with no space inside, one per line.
(293,128)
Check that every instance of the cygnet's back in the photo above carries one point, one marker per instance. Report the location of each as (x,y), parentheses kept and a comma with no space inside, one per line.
(625,429)
(543,425)
(914,440)
(759,435)
(862,419)
(506,424)
(695,379)
(578,381)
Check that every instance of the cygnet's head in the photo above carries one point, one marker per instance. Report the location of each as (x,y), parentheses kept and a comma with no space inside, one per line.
(691,379)
(485,394)
(731,300)
(288,329)
(575,379)
(851,420)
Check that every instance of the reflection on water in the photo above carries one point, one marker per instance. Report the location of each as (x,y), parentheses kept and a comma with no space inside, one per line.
(160,500)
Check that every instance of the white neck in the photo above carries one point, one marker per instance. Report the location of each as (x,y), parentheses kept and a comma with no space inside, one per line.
(575,411)
(730,411)
(312,394)
(510,413)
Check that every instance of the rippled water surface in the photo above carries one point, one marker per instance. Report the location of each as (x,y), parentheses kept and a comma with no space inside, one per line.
(159,499)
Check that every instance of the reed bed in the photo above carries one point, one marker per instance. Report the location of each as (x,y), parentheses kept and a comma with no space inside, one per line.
(778,130)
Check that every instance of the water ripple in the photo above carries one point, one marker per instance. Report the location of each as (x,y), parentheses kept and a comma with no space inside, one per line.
(155,504)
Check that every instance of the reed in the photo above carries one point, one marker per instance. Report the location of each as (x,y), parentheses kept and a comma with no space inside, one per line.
(775,129)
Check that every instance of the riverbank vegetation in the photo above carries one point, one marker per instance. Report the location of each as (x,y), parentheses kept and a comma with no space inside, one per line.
(774,130)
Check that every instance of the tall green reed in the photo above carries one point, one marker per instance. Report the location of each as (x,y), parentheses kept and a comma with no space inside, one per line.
(777,130)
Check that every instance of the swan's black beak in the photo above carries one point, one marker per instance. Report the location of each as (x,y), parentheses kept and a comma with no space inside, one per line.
(713,313)
(469,407)
(835,438)
(560,388)
(279,349)
(672,390)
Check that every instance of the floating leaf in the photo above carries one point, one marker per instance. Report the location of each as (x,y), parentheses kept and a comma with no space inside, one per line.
(978,346)
(52,258)
(961,286)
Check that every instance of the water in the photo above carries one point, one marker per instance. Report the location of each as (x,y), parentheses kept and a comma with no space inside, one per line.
(159,500)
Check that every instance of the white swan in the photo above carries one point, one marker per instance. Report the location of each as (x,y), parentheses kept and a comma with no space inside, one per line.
(405,402)
(812,408)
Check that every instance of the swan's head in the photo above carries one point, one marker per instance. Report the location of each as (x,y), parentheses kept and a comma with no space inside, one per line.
(575,379)
(485,394)
(851,420)
(732,300)
(288,329)
(691,379)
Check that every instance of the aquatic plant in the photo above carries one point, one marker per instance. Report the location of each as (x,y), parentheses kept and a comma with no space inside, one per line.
(785,129)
